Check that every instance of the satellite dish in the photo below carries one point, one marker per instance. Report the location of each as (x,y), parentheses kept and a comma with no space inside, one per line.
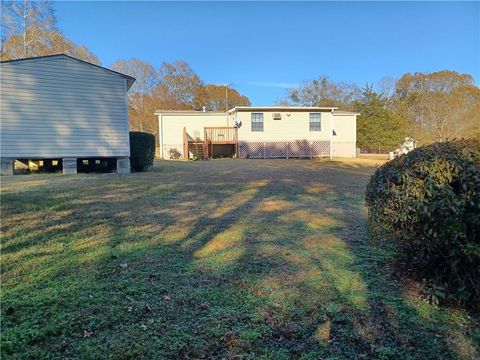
(237,123)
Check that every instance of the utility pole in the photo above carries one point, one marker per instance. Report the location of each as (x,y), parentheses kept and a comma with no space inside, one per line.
(226,96)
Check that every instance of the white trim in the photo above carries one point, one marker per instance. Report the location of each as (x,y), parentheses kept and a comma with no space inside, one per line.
(130,79)
(344,113)
(127,120)
(331,136)
(188,112)
(160,119)
(355,138)
(277,108)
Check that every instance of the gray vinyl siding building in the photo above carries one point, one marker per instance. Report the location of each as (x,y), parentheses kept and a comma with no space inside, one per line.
(62,107)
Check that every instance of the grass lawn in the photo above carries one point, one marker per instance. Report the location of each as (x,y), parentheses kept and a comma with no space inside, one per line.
(264,259)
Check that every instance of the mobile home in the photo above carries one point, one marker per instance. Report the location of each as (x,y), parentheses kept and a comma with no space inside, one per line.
(61,111)
(258,132)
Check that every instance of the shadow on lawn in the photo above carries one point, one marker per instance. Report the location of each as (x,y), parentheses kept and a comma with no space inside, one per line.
(210,260)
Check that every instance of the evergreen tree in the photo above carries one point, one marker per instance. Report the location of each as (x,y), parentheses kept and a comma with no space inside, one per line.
(378,126)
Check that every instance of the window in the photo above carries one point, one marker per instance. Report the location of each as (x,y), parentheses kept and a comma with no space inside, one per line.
(315,122)
(257,121)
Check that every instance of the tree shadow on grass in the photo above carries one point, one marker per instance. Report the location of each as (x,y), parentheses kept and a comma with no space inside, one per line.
(226,259)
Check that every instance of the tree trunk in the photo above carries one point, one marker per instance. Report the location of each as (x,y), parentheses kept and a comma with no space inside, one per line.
(25,28)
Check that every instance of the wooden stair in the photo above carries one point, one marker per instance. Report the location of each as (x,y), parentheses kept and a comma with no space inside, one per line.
(197,149)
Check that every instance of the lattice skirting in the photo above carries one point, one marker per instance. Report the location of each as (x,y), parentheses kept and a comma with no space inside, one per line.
(283,149)
(173,151)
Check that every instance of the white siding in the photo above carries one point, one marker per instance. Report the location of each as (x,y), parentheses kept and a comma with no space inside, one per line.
(344,139)
(294,125)
(61,107)
(345,127)
(171,128)
(288,137)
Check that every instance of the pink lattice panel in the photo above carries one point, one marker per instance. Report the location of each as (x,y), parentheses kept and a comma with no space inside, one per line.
(251,149)
(320,148)
(276,149)
(299,149)
(283,149)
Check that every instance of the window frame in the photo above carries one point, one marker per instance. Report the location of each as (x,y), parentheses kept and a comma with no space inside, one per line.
(315,122)
(257,125)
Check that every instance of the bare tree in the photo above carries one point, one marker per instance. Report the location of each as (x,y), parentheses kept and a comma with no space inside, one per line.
(386,87)
(441,105)
(28,28)
(181,84)
(30,20)
(146,78)
(216,98)
(323,92)
(60,44)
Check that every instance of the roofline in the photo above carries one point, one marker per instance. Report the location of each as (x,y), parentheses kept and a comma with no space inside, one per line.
(334,110)
(291,108)
(189,112)
(231,111)
(128,77)
(341,112)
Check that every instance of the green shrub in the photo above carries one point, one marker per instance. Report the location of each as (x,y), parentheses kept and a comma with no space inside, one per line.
(142,150)
(427,204)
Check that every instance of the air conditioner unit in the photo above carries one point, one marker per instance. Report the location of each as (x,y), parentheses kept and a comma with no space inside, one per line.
(277,116)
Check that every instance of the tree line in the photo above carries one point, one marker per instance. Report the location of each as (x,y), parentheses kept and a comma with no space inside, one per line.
(29,28)
(427,107)
(173,86)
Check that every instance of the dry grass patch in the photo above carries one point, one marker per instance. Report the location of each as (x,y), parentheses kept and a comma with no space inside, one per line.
(264,259)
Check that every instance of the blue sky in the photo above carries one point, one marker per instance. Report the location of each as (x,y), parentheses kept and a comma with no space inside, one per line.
(265,47)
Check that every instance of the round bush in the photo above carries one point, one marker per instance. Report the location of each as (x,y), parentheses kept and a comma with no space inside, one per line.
(142,150)
(427,204)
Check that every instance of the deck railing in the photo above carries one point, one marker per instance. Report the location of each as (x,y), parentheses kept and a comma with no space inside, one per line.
(221,135)
(212,136)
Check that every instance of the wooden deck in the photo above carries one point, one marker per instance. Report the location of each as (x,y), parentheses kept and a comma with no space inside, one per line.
(221,135)
(203,148)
